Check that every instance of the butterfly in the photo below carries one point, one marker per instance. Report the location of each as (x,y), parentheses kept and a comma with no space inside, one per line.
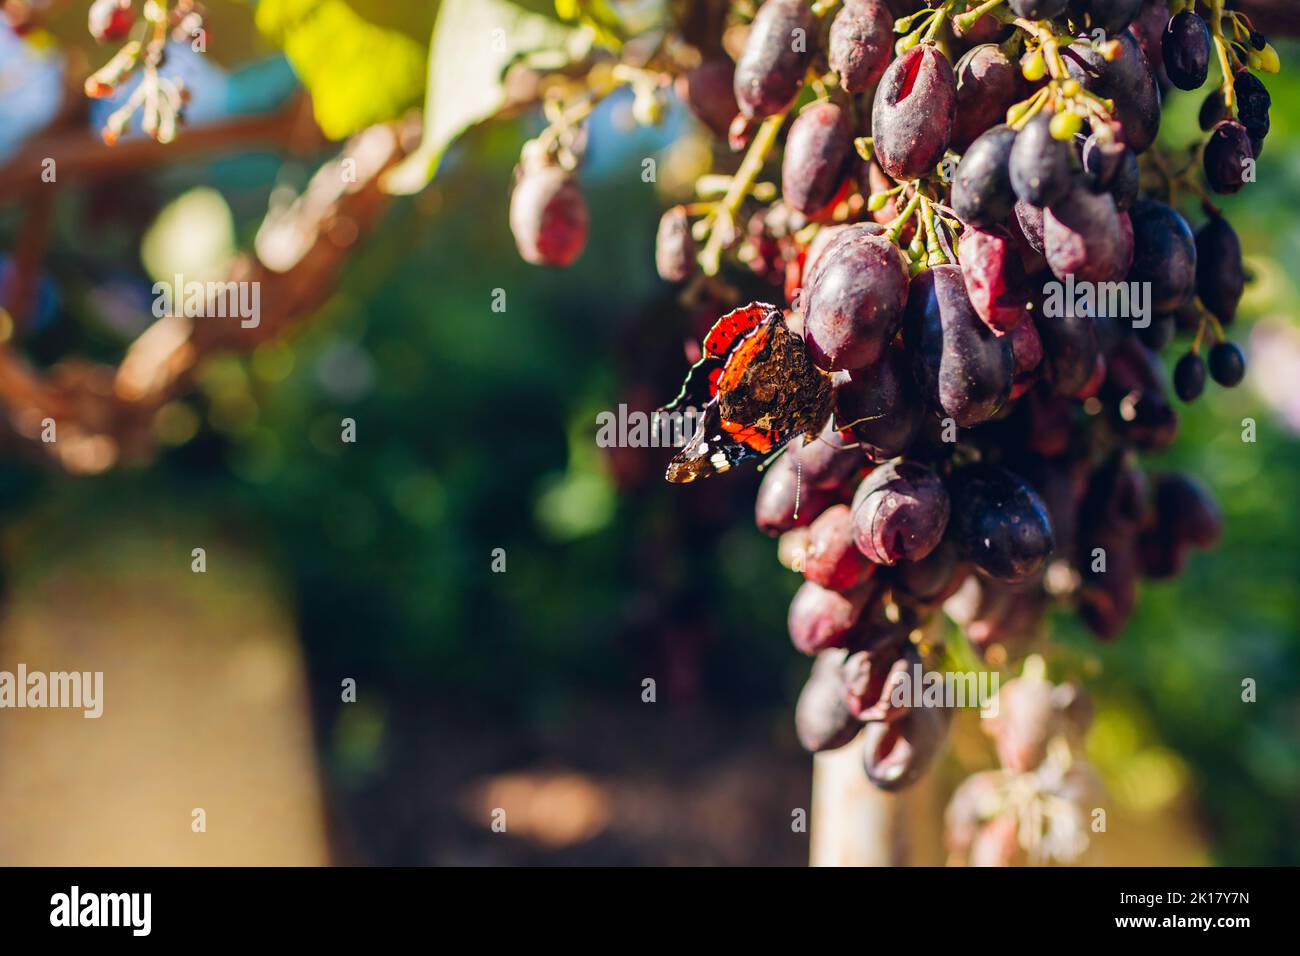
(757,389)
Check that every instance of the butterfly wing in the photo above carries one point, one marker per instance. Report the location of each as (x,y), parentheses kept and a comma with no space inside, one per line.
(701,383)
(716,447)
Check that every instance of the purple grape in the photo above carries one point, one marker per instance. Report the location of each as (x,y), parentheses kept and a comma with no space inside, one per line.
(709,92)
(912,117)
(981,189)
(1127,80)
(1213,109)
(900,512)
(1227,155)
(1186,51)
(860,44)
(1083,237)
(1000,522)
(1188,509)
(1227,364)
(995,278)
(821,618)
(825,463)
(817,151)
(1135,394)
(821,717)
(934,578)
(548,217)
(1253,103)
(674,247)
(988,84)
(832,558)
(1038,9)
(778,493)
(879,404)
(1070,347)
(1189,377)
(1027,351)
(1029,220)
(856,301)
(873,678)
(1040,168)
(1110,521)
(896,754)
(1164,254)
(963,368)
(1220,274)
(771,68)
(1109,15)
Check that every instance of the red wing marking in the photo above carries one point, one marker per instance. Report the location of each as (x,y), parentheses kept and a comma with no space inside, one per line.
(733,325)
(741,357)
(760,439)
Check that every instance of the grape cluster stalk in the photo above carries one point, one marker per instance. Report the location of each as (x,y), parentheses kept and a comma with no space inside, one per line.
(986,251)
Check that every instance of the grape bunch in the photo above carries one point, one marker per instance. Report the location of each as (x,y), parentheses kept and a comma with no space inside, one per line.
(987,253)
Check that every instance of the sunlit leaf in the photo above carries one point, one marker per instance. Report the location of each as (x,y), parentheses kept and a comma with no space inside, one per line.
(474,42)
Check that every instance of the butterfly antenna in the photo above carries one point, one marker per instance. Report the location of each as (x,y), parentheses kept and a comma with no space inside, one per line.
(857,421)
(798,485)
(762,465)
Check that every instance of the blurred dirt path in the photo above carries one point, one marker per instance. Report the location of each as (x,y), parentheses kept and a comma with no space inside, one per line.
(204,707)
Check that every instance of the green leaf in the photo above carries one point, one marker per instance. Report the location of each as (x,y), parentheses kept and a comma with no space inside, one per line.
(363,61)
(474,42)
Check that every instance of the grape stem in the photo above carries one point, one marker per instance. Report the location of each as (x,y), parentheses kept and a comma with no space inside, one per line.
(722,228)
(895,228)
(968,19)
(934,254)
(1224,53)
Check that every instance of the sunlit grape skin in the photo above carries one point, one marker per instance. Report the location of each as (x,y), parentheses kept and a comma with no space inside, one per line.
(995,279)
(821,618)
(900,512)
(860,43)
(988,84)
(856,301)
(817,151)
(832,558)
(771,68)
(912,117)
(548,217)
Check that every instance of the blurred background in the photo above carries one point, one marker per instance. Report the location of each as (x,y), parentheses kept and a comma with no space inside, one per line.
(479,689)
